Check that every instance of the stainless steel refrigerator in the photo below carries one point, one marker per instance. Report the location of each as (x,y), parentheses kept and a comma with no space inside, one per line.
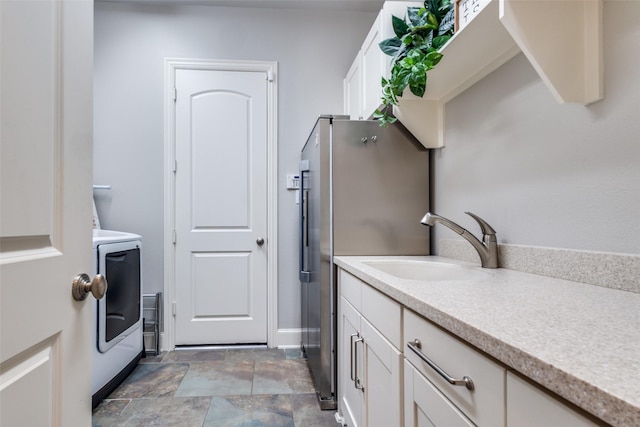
(363,189)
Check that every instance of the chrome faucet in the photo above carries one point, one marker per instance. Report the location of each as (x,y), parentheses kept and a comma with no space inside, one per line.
(487,249)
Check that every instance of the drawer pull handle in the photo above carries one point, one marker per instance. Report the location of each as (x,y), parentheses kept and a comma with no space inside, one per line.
(358,381)
(353,378)
(416,345)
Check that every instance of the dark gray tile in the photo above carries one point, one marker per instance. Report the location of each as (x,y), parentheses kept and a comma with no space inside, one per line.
(294,353)
(152,380)
(194,355)
(307,413)
(111,408)
(217,378)
(250,387)
(250,411)
(255,354)
(161,412)
(282,377)
(153,359)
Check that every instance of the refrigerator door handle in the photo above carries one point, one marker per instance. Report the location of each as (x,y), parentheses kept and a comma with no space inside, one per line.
(305,274)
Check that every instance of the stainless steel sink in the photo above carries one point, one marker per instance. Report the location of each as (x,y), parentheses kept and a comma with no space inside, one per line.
(425,270)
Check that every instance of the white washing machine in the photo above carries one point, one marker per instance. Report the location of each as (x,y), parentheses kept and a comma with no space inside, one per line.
(117,318)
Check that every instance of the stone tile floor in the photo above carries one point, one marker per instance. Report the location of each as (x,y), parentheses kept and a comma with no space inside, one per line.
(221,388)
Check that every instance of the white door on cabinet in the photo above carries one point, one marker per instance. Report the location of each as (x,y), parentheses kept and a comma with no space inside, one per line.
(425,406)
(350,365)
(383,379)
(353,90)
(373,68)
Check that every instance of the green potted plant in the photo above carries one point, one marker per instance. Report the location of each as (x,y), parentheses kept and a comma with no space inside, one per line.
(415,51)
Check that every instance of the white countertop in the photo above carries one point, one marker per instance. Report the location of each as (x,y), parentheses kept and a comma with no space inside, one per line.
(579,341)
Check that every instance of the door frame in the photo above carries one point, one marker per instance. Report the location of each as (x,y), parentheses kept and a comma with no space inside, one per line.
(270,68)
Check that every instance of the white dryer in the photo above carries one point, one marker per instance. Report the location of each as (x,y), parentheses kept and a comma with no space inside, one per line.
(117,318)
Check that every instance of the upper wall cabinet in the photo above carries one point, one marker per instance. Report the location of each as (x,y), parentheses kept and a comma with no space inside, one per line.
(362,89)
(561,38)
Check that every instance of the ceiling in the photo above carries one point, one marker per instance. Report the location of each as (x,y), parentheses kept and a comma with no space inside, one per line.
(355,5)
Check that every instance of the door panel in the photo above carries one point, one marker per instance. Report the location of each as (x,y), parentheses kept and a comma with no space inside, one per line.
(229,300)
(220,169)
(383,379)
(45,211)
(351,399)
(425,406)
(221,148)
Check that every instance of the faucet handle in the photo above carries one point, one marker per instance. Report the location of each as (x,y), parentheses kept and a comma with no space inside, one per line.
(487,230)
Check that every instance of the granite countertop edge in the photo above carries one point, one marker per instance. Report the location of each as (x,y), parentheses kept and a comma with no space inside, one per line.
(594,396)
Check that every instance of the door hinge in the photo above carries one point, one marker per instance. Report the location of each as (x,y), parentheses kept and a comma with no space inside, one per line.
(269,76)
(174,237)
(173,308)
(175,166)
(175,94)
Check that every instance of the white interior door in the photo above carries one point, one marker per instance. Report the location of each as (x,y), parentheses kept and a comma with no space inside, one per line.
(45,211)
(221,207)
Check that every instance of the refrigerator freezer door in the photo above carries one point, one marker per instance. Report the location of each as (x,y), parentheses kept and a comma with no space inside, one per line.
(317,301)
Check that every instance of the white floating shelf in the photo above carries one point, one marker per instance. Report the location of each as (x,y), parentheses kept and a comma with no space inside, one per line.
(561,38)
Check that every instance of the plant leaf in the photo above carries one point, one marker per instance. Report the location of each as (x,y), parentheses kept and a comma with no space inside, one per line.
(415,51)
(390,46)
(440,41)
(434,57)
(416,16)
(432,20)
(447,23)
(400,28)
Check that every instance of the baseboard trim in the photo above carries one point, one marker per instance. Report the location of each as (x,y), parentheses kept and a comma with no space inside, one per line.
(288,338)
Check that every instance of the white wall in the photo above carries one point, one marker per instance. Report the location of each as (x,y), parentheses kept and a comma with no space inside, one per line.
(314,51)
(546,174)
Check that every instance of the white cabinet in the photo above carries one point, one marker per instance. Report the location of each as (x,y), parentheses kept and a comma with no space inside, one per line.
(382,379)
(567,55)
(530,406)
(362,89)
(385,378)
(353,90)
(425,406)
(370,365)
(350,396)
(482,398)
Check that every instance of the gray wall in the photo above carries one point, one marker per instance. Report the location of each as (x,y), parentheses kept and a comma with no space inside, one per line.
(541,173)
(546,174)
(314,51)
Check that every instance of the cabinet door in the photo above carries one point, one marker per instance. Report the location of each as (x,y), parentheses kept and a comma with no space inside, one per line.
(372,69)
(350,365)
(425,406)
(382,380)
(353,90)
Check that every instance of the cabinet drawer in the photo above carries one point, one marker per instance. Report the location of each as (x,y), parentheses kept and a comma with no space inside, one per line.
(484,405)
(383,313)
(351,289)
(530,406)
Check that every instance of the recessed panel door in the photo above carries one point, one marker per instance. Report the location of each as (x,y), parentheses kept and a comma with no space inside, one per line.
(46,51)
(221,201)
